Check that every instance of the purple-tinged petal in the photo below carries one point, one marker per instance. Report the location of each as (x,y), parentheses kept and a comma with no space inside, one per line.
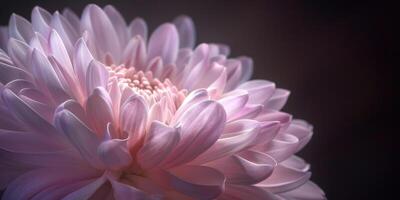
(198,182)
(41,21)
(126,192)
(82,58)
(20,28)
(245,168)
(259,90)
(164,42)
(284,179)
(114,154)
(133,118)
(67,32)
(80,136)
(186,30)
(118,22)
(237,136)
(238,192)
(99,110)
(19,52)
(10,73)
(4,36)
(103,36)
(281,147)
(278,99)
(59,51)
(202,125)
(135,53)
(88,190)
(247,68)
(96,76)
(138,27)
(234,102)
(72,18)
(34,181)
(159,143)
(308,190)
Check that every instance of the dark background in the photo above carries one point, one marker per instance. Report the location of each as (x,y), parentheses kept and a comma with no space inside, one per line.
(335,57)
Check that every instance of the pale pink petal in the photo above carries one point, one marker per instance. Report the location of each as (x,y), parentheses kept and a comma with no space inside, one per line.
(238,192)
(234,71)
(134,118)
(80,136)
(102,34)
(46,75)
(114,154)
(267,115)
(72,18)
(198,182)
(278,99)
(59,52)
(18,52)
(186,30)
(82,58)
(284,179)
(164,42)
(158,144)
(41,21)
(281,147)
(20,28)
(28,117)
(32,182)
(202,125)
(237,136)
(259,90)
(135,53)
(302,130)
(234,101)
(75,108)
(308,190)
(86,191)
(138,27)
(99,110)
(96,76)
(249,111)
(217,87)
(9,73)
(295,163)
(66,30)
(126,192)
(118,22)
(193,98)
(245,168)
(247,68)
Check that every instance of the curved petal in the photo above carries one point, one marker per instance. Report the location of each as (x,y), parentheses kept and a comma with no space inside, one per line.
(302,130)
(259,90)
(99,110)
(234,102)
(134,118)
(126,192)
(159,142)
(102,33)
(96,76)
(135,53)
(20,28)
(59,52)
(34,181)
(281,147)
(40,21)
(245,168)
(114,154)
(86,191)
(238,192)
(186,30)
(278,99)
(308,190)
(118,22)
(247,68)
(80,136)
(237,136)
(9,73)
(19,52)
(138,27)
(284,179)
(202,125)
(198,182)
(164,42)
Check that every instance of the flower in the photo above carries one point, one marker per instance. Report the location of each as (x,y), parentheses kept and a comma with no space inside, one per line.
(91,108)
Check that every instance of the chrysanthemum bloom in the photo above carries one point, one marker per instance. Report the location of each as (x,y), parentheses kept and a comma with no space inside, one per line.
(93,108)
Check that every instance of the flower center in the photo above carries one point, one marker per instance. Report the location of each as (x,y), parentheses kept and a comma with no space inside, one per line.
(145,84)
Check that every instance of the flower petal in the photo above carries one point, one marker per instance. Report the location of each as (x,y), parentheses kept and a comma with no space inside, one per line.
(114,154)
(164,42)
(19,52)
(41,21)
(138,27)
(246,192)
(96,76)
(99,110)
(234,101)
(278,99)
(259,90)
(186,30)
(245,168)
(202,125)
(86,191)
(284,179)
(118,22)
(20,28)
(198,182)
(158,144)
(126,192)
(133,118)
(308,190)
(80,136)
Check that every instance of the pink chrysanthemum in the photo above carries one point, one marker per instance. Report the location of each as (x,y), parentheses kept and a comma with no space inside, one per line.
(92,108)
